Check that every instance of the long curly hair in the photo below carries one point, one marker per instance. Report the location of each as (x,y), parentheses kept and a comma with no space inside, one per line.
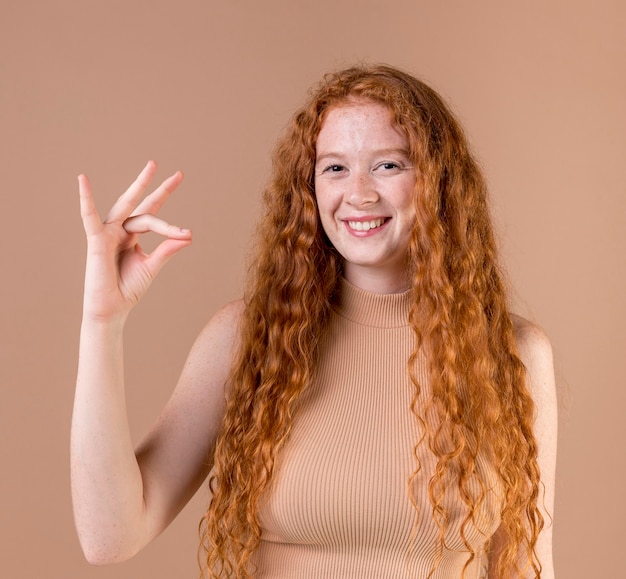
(477,390)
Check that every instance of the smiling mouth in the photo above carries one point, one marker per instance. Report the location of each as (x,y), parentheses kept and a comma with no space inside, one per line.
(365,225)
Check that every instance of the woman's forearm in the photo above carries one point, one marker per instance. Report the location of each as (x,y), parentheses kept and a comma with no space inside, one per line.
(107,489)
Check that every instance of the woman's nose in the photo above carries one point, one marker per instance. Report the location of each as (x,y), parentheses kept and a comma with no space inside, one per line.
(361,190)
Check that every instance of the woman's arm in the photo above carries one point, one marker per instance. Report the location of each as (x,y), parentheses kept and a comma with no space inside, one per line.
(123,499)
(536,354)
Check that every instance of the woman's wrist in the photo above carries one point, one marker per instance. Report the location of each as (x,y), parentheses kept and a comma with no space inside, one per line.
(110,323)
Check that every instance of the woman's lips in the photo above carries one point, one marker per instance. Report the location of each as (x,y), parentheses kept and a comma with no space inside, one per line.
(364,226)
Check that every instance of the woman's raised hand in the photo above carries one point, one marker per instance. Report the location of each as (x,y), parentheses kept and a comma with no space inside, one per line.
(118,272)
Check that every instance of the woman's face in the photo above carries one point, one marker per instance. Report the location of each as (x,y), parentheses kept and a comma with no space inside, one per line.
(364,186)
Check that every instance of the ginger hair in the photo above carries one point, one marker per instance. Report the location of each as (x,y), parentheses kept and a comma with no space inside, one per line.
(477,391)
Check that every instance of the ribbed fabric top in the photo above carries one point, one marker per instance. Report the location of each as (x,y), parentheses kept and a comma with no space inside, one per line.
(339,504)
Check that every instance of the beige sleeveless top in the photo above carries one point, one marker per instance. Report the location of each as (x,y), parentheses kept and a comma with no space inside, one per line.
(339,505)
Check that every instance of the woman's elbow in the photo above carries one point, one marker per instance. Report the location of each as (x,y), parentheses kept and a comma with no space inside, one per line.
(100,553)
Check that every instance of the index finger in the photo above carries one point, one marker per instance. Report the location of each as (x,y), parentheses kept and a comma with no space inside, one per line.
(146,223)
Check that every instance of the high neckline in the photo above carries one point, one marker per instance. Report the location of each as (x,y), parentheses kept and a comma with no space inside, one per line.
(373,309)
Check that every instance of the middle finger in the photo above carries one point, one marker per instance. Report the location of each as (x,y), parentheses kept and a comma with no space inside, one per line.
(153,202)
(127,202)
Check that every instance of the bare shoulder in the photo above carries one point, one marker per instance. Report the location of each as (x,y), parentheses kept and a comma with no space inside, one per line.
(535,352)
(531,339)
(217,342)
(227,319)
(199,393)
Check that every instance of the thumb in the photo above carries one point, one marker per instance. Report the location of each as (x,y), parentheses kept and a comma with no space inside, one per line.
(164,252)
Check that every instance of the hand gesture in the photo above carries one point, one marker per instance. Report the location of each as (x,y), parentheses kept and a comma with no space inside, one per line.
(118,272)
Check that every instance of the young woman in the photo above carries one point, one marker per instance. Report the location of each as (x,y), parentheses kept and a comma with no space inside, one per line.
(371,408)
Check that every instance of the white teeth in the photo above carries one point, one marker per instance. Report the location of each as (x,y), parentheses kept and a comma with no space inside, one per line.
(365,225)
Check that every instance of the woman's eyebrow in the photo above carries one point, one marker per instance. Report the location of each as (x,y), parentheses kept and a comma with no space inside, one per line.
(377,152)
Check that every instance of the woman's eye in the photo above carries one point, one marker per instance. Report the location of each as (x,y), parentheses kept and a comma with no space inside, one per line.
(391,166)
(333,169)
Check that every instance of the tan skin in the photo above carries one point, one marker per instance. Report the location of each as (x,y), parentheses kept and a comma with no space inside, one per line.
(124,497)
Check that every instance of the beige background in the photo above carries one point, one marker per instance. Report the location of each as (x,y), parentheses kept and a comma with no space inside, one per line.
(100,87)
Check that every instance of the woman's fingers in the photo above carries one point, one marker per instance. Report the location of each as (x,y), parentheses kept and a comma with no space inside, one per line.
(177,239)
(128,201)
(88,211)
(153,202)
(150,223)
(128,207)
